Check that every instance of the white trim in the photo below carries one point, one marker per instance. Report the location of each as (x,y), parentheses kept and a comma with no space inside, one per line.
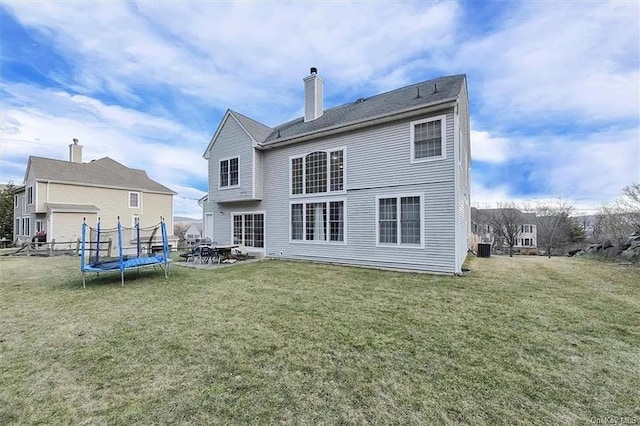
(16,201)
(205,226)
(139,206)
(264,227)
(398,196)
(457,176)
(222,188)
(326,199)
(134,216)
(253,172)
(443,138)
(33,195)
(304,173)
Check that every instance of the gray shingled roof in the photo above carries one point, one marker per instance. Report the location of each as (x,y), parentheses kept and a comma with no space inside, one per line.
(379,105)
(102,172)
(257,130)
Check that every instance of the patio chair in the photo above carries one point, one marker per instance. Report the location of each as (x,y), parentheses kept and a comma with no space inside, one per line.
(241,253)
(191,255)
(206,255)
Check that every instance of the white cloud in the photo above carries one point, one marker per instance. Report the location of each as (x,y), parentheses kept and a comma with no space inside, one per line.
(566,59)
(131,137)
(484,147)
(239,54)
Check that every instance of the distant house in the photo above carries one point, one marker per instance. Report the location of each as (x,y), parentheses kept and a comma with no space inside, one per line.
(381,181)
(193,234)
(527,241)
(58,195)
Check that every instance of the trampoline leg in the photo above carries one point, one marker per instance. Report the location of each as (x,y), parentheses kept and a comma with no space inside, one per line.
(122,278)
(83,282)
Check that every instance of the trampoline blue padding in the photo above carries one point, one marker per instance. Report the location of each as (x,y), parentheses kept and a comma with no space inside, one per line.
(137,262)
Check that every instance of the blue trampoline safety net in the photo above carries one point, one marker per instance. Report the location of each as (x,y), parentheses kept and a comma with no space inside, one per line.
(121,248)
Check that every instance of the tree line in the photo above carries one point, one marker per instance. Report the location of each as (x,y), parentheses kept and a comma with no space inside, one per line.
(558,230)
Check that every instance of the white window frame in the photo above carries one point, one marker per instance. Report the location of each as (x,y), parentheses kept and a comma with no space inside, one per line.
(228,159)
(139,206)
(304,174)
(16,223)
(264,227)
(39,225)
(16,201)
(443,141)
(30,193)
(327,200)
(24,203)
(26,225)
(398,197)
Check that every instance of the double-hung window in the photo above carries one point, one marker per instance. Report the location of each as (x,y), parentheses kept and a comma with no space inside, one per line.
(26,226)
(318,172)
(428,139)
(30,195)
(321,221)
(229,172)
(400,220)
(134,200)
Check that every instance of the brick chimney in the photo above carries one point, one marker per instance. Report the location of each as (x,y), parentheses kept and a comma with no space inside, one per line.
(75,152)
(312,96)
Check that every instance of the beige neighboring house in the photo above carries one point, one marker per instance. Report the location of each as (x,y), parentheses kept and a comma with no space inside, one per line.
(58,195)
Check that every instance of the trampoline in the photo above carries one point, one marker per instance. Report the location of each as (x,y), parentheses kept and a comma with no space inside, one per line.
(144,249)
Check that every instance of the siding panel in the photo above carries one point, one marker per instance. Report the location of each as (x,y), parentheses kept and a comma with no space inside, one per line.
(377,163)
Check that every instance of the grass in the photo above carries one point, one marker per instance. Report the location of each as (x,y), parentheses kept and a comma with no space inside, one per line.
(518,340)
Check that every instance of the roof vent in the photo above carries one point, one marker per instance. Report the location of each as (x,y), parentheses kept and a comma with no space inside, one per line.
(359,100)
(418,95)
(313,70)
(435,88)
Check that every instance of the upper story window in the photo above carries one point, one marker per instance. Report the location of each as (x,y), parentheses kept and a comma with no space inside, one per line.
(30,195)
(527,229)
(15,201)
(400,220)
(134,200)
(428,139)
(229,172)
(318,172)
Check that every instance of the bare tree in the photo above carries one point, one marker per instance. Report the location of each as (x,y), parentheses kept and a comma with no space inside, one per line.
(180,229)
(554,224)
(506,222)
(616,224)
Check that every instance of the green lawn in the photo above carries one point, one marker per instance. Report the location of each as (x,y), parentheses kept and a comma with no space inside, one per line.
(517,340)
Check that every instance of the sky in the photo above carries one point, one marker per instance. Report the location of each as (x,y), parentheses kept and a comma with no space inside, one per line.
(554,86)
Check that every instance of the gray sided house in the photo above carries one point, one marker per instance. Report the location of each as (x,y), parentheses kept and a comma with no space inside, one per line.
(382,181)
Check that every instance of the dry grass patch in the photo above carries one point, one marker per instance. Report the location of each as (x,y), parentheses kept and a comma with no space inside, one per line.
(523,339)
